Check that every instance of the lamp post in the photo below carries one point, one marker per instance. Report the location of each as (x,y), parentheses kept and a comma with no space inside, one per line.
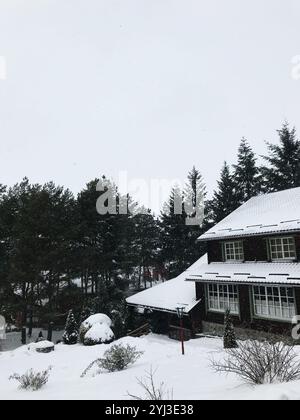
(180,314)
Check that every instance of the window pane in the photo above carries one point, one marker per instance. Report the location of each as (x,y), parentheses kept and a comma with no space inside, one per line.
(219,298)
(274,302)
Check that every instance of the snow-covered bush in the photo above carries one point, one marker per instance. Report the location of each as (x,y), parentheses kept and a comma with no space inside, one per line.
(96,330)
(71,334)
(98,334)
(261,362)
(97,319)
(31,380)
(116,359)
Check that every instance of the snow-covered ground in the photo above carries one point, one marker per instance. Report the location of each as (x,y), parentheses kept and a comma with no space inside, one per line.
(189,376)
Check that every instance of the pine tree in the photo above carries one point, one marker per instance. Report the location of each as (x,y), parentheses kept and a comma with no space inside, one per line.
(194,202)
(229,333)
(246,173)
(283,171)
(179,246)
(173,234)
(71,333)
(225,199)
(145,244)
(194,194)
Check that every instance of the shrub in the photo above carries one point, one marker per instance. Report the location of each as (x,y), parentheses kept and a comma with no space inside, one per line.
(116,359)
(32,380)
(71,334)
(229,333)
(152,392)
(82,331)
(98,334)
(96,330)
(261,362)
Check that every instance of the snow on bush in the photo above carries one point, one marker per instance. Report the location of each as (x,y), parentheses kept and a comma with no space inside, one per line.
(97,319)
(71,334)
(116,359)
(98,334)
(32,381)
(96,330)
(261,363)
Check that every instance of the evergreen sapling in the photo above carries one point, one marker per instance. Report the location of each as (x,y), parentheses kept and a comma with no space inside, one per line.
(71,333)
(229,333)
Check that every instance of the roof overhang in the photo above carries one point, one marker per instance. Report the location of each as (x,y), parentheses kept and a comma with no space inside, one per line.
(287,274)
(157,309)
(240,234)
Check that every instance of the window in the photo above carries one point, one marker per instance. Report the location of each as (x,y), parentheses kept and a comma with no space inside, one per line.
(283,248)
(222,297)
(234,251)
(274,302)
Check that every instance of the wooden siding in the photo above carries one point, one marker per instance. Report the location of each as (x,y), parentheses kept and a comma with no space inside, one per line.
(255,248)
(245,319)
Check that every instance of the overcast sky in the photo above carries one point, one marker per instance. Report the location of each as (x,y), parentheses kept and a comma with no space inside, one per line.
(151,87)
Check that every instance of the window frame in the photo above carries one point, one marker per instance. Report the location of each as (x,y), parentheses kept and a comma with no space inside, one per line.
(219,310)
(269,299)
(235,251)
(281,239)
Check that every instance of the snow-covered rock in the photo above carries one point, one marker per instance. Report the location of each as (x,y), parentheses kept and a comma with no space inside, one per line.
(42,347)
(98,334)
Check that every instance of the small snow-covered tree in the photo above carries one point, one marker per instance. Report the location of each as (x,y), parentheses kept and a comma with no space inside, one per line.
(71,333)
(229,333)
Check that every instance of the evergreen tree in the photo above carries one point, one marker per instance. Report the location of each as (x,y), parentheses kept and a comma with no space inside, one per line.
(173,234)
(229,333)
(194,206)
(246,173)
(179,246)
(71,333)
(145,245)
(194,193)
(225,199)
(283,171)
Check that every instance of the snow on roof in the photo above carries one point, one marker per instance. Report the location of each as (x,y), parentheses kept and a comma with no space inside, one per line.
(266,214)
(247,273)
(170,295)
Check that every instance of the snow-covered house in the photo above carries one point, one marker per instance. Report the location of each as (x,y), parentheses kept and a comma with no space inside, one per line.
(252,267)
(162,301)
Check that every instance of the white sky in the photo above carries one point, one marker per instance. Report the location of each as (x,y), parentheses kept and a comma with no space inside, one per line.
(151,87)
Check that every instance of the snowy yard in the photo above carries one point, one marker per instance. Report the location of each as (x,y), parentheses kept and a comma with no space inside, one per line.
(189,376)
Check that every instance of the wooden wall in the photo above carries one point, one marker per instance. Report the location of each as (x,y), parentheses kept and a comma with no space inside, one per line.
(245,319)
(255,249)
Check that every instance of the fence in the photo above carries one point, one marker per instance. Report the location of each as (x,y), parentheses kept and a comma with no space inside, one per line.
(13,340)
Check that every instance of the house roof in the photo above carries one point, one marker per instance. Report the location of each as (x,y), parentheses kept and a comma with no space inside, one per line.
(247,273)
(170,295)
(266,214)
